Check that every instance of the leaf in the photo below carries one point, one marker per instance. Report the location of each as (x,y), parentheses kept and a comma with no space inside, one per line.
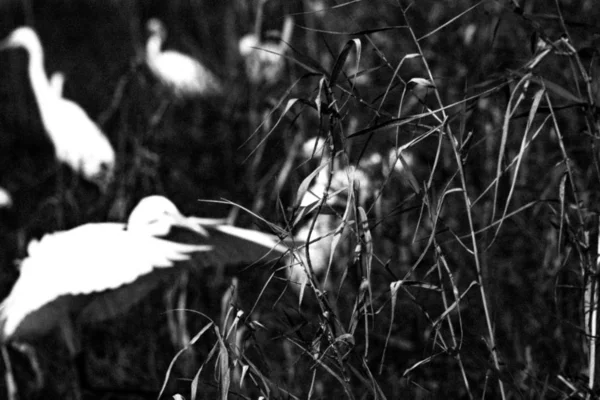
(394,287)
(223,366)
(345,221)
(342,57)
(306,62)
(179,353)
(561,195)
(243,375)
(367,245)
(392,123)
(412,180)
(305,184)
(422,82)
(551,86)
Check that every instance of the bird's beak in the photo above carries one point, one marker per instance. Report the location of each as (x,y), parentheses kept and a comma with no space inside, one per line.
(189,223)
(7,43)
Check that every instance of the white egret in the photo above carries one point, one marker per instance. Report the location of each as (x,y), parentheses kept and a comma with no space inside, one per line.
(108,267)
(184,75)
(99,270)
(264,60)
(326,235)
(78,142)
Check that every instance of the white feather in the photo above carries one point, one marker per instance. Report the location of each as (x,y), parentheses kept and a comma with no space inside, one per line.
(101,258)
(90,258)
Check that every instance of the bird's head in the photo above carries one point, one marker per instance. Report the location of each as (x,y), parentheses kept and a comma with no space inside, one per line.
(156,215)
(248,44)
(22,37)
(156,28)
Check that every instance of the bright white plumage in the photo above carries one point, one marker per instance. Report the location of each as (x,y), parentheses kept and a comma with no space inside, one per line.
(328,239)
(184,75)
(77,140)
(107,260)
(264,60)
(91,258)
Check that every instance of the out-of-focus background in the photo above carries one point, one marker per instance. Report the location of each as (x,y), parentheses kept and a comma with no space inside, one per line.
(433,103)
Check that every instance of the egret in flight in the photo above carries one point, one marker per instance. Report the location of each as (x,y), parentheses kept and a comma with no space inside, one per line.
(184,75)
(98,271)
(107,261)
(78,142)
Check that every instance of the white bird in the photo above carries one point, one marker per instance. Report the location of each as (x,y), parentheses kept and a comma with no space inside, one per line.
(328,238)
(99,270)
(78,142)
(264,60)
(184,75)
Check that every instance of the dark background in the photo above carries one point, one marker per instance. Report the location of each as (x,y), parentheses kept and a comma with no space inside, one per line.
(200,148)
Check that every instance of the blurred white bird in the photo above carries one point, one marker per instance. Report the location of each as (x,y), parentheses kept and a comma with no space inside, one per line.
(184,75)
(99,270)
(5,198)
(327,238)
(264,60)
(78,142)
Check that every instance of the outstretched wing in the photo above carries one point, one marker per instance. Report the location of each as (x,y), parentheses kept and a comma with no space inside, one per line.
(230,246)
(89,259)
(234,246)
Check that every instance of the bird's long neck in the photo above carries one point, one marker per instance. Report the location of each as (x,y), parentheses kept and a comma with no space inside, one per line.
(39,81)
(153,46)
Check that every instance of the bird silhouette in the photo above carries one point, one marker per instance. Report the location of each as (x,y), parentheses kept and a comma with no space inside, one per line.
(183,75)
(264,59)
(326,233)
(77,140)
(99,270)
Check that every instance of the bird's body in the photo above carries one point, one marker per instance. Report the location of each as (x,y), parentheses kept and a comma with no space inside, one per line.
(77,140)
(66,272)
(184,75)
(88,259)
(327,234)
(264,60)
